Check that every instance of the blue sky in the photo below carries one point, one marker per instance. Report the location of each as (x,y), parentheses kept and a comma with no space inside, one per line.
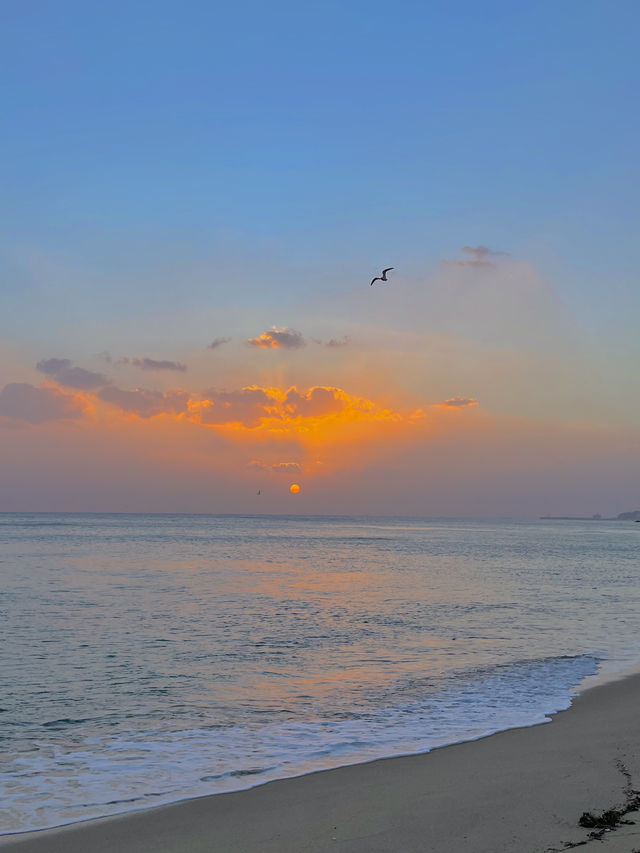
(349,131)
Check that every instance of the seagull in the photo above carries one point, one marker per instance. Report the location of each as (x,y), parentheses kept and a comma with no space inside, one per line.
(382,277)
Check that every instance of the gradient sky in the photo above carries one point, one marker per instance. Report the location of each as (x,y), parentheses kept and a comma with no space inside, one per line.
(196,196)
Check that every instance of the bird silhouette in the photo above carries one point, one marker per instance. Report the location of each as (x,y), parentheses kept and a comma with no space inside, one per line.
(382,277)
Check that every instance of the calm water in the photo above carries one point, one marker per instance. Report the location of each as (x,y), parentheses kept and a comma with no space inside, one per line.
(150,658)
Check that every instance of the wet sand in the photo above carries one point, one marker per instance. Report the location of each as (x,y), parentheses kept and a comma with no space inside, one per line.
(521,791)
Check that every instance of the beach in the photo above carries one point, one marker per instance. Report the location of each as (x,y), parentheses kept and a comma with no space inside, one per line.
(319,452)
(519,790)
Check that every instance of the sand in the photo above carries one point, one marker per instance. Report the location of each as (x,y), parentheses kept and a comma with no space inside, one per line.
(521,791)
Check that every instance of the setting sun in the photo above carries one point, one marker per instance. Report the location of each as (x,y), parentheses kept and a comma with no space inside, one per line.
(294,488)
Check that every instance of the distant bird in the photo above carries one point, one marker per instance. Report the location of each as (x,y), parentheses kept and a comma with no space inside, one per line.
(382,277)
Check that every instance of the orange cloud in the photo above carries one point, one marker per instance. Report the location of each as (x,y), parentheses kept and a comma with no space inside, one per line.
(248,407)
(317,401)
(278,339)
(287,419)
(253,406)
(314,431)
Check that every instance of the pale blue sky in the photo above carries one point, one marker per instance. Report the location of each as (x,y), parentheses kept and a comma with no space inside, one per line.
(141,137)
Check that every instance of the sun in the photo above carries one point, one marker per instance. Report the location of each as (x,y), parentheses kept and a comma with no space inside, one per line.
(294,488)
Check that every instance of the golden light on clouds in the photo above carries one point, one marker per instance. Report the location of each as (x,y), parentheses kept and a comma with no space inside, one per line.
(258,434)
(276,338)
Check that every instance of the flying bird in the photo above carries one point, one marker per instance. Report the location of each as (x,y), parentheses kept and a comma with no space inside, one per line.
(382,277)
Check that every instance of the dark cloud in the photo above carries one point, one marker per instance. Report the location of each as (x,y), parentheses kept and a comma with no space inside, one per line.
(218,342)
(459,402)
(479,256)
(152,364)
(25,402)
(51,366)
(246,406)
(146,403)
(62,370)
(278,339)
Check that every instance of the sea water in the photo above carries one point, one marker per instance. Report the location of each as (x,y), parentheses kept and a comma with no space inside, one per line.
(151,658)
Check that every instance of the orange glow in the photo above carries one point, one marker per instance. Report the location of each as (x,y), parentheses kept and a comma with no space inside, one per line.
(265,431)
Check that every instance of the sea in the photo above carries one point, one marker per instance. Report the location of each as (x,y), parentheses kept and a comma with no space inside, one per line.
(147,659)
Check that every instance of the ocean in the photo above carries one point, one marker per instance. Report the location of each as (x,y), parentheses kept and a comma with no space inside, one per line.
(152,658)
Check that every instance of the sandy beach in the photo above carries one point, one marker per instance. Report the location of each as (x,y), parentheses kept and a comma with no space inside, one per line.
(520,790)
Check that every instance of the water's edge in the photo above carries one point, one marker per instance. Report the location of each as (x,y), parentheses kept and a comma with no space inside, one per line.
(608,673)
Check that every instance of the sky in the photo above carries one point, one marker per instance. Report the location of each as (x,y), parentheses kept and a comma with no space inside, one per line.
(197,195)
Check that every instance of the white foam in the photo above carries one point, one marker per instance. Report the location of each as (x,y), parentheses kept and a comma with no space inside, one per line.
(123,772)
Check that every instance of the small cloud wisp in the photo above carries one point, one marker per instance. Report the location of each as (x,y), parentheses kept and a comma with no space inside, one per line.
(218,342)
(152,364)
(480,257)
(458,402)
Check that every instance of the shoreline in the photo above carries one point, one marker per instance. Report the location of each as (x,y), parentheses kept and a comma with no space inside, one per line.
(333,760)
(604,675)
(521,789)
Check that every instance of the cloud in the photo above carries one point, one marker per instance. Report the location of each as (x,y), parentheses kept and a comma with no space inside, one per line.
(218,342)
(480,256)
(145,403)
(315,402)
(296,422)
(246,406)
(152,364)
(278,467)
(251,406)
(278,339)
(24,402)
(284,467)
(458,402)
(65,373)
(51,366)
(334,342)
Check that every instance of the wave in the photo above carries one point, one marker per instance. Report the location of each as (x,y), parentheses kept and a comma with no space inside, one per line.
(418,715)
